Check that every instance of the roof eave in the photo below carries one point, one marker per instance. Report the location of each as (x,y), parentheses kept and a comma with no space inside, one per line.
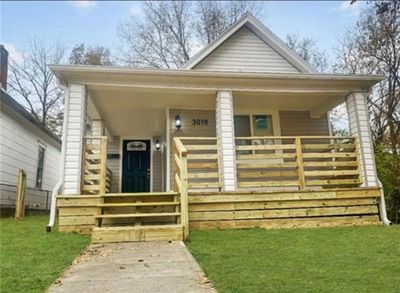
(61,70)
(20,110)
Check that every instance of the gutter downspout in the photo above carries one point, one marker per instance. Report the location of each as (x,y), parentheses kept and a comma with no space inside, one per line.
(382,206)
(53,207)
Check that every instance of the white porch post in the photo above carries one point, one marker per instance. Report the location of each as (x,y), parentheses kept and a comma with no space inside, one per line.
(75,128)
(226,140)
(359,126)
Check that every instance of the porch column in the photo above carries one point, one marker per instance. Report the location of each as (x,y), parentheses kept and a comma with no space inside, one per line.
(226,140)
(357,110)
(75,110)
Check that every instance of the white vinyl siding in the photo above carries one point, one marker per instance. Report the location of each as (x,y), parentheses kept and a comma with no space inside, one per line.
(245,51)
(297,123)
(114,164)
(188,129)
(19,148)
(97,127)
(357,110)
(226,135)
(74,139)
(157,169)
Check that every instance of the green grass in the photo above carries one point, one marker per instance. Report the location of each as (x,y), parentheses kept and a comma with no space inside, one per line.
(30,258)
(356,259)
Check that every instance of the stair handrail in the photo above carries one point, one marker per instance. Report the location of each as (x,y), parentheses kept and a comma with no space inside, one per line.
(182,184)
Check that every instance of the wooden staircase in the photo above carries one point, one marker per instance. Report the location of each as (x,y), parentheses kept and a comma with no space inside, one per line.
(129,217)
(96,177)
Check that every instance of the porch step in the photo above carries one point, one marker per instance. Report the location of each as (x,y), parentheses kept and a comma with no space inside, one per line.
(136,215)
(137,233)
(137,204)
(139,194)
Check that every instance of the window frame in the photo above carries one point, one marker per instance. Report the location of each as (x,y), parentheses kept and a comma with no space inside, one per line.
(40,165)
(276,129)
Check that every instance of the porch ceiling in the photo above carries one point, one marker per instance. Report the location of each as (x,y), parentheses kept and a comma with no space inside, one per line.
(121,107)
(129,111)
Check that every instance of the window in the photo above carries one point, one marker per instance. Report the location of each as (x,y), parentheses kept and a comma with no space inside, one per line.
(253,125)
(39,171)
(242,126)
(262,125)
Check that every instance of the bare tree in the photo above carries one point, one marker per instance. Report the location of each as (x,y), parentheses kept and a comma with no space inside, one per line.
(372,46)
(170,31)
(307,49)
(98,55)
(33,81)
(162,39)
(217,16)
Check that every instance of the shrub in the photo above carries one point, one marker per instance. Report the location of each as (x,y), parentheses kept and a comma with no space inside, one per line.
(388,167)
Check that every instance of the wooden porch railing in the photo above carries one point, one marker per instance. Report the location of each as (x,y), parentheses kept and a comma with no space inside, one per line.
(96,178)
(298,162)
(279,162)
(181,183)
(203,162)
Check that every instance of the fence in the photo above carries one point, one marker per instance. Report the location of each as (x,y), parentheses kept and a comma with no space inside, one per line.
(35,199)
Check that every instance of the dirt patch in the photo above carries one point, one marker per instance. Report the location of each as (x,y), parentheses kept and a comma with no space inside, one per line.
(91,252)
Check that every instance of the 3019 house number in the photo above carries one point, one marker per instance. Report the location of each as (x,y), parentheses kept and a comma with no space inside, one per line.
(199,122)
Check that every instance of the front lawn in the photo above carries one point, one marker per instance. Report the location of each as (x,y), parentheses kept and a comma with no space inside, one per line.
(356,259)
(30,258)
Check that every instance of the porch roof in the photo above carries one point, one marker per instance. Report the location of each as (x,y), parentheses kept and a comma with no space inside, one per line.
(213,80)
(133,88)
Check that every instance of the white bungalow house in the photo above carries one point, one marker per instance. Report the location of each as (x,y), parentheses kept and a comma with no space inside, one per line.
(26,145)
(238,137)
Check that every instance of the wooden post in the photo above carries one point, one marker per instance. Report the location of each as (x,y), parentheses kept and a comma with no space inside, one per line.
(103,162)
(219,167)
(184,196)
(300,167)
(103,176)
(20,197)
(357,154)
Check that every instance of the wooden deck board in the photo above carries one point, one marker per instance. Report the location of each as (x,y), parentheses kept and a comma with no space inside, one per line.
(225,210)
(134,234)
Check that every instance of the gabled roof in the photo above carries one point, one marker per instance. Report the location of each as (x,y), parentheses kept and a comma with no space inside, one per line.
(13,104)
(263,33)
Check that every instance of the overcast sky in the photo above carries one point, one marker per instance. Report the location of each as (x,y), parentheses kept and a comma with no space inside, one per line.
(95,23)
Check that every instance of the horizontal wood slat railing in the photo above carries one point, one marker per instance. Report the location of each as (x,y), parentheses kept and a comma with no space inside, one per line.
(195,167)
(289,162)
(181,183)
(96,177)
(202,162)
(298,162)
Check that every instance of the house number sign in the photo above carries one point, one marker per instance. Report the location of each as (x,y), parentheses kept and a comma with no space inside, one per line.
(199,122)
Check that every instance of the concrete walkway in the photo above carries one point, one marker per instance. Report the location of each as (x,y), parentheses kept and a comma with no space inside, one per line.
(134,267)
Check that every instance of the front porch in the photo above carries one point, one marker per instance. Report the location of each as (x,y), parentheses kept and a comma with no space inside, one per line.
(163,152)
(283,182)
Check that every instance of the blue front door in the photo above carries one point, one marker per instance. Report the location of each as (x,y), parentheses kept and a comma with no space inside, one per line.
(136,166)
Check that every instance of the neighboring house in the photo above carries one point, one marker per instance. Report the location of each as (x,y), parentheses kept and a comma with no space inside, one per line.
(26,145)
(238,137)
